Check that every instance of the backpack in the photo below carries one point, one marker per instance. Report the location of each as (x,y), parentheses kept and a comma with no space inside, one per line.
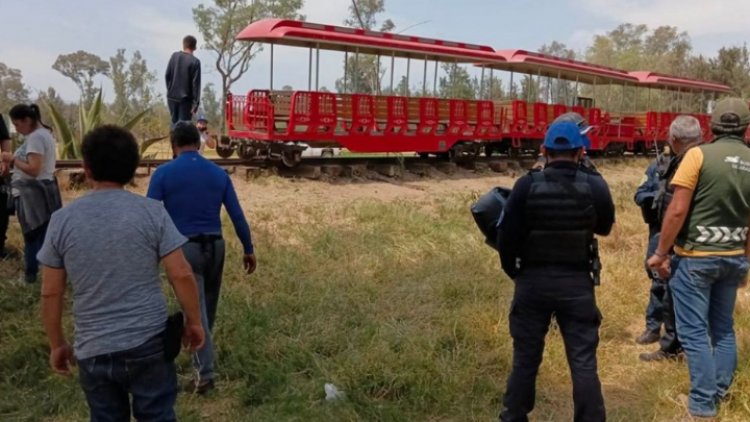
(488,212)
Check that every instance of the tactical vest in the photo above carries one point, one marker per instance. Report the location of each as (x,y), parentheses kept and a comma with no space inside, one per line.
(717,221)
(560,217)
(666,192)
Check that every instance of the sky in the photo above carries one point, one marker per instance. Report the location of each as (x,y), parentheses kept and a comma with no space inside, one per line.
(34,32)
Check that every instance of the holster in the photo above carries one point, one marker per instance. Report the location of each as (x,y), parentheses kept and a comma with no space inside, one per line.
(596,263)
(172,336)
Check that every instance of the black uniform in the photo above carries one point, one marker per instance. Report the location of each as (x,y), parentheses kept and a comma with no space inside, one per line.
(4,194)
(545,244)
(668,343)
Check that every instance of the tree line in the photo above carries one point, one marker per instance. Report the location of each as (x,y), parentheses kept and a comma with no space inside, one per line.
(664,49)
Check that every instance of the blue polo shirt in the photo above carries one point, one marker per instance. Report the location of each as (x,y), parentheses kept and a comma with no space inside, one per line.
(193,190)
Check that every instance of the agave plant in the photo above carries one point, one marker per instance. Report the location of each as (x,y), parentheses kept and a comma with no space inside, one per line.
(70,143)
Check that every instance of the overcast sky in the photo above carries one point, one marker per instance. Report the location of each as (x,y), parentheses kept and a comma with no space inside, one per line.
(34,32)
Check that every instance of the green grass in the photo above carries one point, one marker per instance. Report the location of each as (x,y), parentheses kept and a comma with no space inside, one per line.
(400,305)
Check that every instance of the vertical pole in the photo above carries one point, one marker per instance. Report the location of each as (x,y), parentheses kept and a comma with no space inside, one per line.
(435,81)
(424,78)
(622,103)
(346,70)
(512,89)
(408,74)
(593,91)
(355,76)
(679,99)
(317,67)
(481,84)
(271,79)
(393,67)
(453,78)
(492,82)
(575,93)
(648,100)
(377,75)
(309,71)
(559,88)
(538,85)
(635,99)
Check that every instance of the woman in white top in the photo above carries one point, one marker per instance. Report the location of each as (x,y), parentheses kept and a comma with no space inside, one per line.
(34,188)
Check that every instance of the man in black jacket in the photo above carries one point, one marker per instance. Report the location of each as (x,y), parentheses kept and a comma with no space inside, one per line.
(183,78)
(547,247)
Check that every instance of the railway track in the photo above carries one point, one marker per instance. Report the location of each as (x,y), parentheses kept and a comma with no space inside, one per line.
(347,161)
(354,167)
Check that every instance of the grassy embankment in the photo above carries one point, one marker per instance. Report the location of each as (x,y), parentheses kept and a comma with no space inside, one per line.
(399,304)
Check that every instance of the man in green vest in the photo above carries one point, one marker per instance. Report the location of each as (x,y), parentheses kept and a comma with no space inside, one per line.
(707,225)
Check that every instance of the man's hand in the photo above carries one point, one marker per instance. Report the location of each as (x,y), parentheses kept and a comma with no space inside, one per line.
(193,336)
(661,264)
(249,262)
(61,359)
(4,169)
(6,157)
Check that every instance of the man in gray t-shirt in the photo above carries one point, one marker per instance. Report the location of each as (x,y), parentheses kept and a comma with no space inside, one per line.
(108,245)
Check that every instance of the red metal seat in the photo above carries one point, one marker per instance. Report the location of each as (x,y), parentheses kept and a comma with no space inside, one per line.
(259,111)
(558,109)
(541,117)
(458,122)
(485,119)
(428,116)
(363,114)
(398,118)
(520,121)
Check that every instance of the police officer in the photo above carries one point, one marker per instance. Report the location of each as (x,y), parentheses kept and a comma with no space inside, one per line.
(684,133)
(644,198)
(546,246)
(584,128)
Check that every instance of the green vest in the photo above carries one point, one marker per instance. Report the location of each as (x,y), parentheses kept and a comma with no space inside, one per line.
(718,218)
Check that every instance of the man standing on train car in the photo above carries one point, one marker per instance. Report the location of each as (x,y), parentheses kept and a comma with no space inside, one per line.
(707,224)
(193,190)
(547,247)
(183,79)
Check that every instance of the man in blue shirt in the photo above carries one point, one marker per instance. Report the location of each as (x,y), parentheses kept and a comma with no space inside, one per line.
(193,190)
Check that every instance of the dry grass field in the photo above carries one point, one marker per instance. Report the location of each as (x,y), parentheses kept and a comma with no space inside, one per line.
(386,290)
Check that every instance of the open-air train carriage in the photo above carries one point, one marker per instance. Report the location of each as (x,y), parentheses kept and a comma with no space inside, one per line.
(280,124)
(269,122)
(531,116)
(652,125)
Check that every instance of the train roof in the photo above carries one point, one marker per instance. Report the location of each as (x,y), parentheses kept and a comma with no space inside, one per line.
(674,83)
(528,62)
(330,37)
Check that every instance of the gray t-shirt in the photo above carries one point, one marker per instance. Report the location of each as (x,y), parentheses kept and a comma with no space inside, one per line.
(110,243)
(39,142)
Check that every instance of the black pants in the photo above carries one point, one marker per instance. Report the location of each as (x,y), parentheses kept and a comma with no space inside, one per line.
(570,298)
(4,217)
(180,110)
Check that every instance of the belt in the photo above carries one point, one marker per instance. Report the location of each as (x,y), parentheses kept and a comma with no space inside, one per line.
(204,238)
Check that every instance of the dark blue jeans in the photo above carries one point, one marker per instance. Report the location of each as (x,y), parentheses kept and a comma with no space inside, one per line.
(705,292)
(33,241)
(180,110)
(142,372)
(207,261)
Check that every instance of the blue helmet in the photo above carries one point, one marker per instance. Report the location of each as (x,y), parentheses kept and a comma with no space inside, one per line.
(581,122)
(563,136)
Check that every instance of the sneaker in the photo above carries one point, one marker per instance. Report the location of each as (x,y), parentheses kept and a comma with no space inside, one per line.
(648,337)
(658,356)
(201,388)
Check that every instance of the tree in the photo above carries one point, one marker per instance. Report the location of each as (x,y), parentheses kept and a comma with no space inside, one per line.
(363,74)
(221,22)
(82,67)
(12,89)
(211,106)
(457,83)
(559,91)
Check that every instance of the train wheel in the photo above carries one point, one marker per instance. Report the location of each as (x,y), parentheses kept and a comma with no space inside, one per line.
(224,152)
(291,158)
(246,152)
